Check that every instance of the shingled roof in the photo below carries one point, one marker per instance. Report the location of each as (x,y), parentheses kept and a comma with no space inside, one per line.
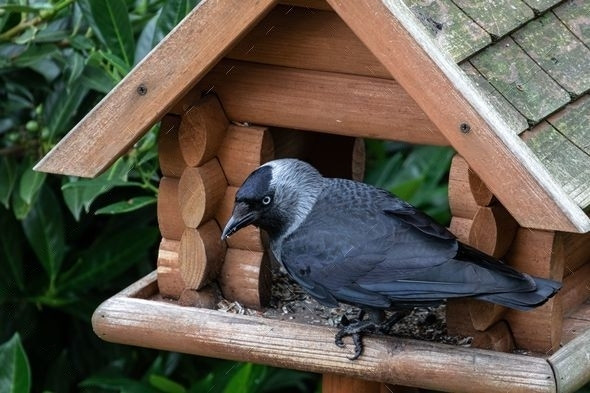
(532,60)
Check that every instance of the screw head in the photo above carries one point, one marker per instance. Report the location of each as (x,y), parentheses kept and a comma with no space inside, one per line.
(464,128)
(142,90)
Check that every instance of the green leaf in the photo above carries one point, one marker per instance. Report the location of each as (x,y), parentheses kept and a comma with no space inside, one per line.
(248,378)
(33,8)
(75,67)
(79,194)
(97,79)
(30,183)
(110,19)
(20,208)
(11,251)
(128,205)
(8,175)
(119,384)
(61,106)
(34,54)
(109,256)
(165,385)
(15,373)
(44,229)
(145,40)
(171,14)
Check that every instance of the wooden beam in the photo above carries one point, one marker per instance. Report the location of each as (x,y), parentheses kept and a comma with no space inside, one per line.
(475,129)
(154,324)
(569,375)
(146,93)
(319,101)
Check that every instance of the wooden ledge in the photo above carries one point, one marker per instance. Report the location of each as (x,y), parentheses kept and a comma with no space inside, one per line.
(131,318)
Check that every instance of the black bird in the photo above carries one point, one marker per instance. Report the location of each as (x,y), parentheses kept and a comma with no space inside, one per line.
(345,241)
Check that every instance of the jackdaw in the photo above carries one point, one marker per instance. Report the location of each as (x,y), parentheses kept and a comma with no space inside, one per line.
(346,241)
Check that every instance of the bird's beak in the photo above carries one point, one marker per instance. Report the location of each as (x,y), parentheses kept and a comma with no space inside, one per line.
(242,216)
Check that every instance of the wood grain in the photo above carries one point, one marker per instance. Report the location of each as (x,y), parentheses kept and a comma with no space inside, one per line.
(201,131)
(246,277)
(461,200)
(566,363)
(311,348)
(201,254)
(538,330)
(491,148)
(334,383)
(576,248)
(493,230)
(497,338)
(200,192)
(576,289)
(319,101)
(484,314)
(206,297)
(460,227)
(170,282)
(168,209)
(481,193)
(171,162)
(165,74)
(311,40)
(243,150)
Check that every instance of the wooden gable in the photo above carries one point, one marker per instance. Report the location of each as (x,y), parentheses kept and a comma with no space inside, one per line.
(344,78)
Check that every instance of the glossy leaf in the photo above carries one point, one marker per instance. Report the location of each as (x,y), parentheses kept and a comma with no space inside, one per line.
(165,385)
(44,229)
(61,106)
(128,205)
(8,176)
(30,183)
(247,378)
(15,373)
(171,14)
(145,42)
(11,246)
(110,19)
(108,257)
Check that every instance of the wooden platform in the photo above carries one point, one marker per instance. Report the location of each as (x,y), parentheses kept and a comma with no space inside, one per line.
(130,317)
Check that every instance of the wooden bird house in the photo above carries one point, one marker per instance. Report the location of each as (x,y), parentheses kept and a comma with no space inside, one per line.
(241,82)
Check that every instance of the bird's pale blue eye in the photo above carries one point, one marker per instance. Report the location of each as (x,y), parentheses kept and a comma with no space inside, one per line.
(266,200)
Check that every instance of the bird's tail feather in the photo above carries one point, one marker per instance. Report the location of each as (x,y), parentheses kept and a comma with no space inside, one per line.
(528,300)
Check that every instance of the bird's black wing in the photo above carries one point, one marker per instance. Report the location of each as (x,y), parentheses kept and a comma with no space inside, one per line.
(357,236)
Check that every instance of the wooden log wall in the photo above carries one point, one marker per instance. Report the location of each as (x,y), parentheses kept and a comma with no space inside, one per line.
(204,159)
(481,221)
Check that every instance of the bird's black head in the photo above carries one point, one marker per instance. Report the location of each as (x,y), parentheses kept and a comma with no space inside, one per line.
(274,196)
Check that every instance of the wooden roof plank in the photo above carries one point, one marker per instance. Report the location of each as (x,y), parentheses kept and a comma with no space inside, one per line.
(575,14)
(449,27)
(128,111)
(557,51)
(573,122)
(514,119)
(541,5)
(524,84)
(447,96)
(569,165)
(497,17)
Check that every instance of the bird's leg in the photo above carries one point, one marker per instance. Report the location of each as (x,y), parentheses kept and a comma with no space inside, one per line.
(357,328)
(395,317)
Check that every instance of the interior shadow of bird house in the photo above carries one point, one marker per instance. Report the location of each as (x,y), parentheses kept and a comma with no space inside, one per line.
(240,83)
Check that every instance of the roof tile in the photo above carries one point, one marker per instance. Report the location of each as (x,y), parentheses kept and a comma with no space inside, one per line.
(497,17)
(541,5)
(569,165)
(515,120)
(557,51)
(574,123)
(576,16)
(520,80)
(453,31)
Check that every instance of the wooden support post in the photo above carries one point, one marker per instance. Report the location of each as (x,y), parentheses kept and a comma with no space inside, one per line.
(170,282)
(202,130)
(246,277)
(168,209)
(171,162)
(461,200)
(493,230)
(201,254)
(576,289)
(333,383)
(538,330)
(200,192)
(576,247)
(243,150)
(484,314)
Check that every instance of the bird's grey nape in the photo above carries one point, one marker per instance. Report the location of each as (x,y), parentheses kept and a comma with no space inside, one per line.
(297,186)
